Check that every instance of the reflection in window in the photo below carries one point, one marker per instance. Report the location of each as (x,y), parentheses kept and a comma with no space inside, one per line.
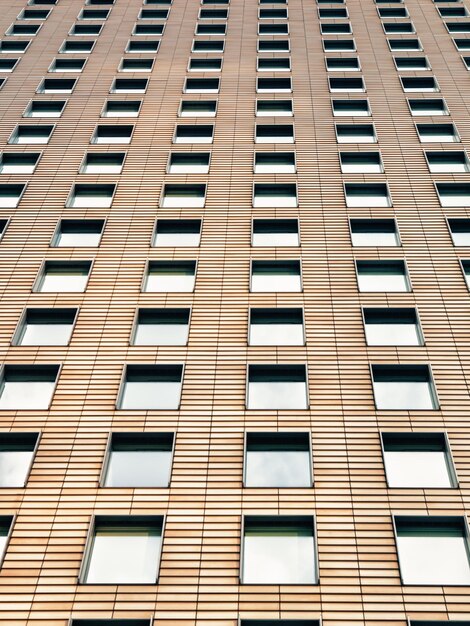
(382,276)
(275,276)
(45,327)
(392,327)
(63,276)
(170,276)
(162,327)
(16,456)
(277,387)
(147,387)
(276,232)
(404,387)
(276,327)
(25,387)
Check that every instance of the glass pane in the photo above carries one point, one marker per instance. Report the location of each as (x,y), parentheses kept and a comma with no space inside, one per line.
(382,282)
(14,467)
(374,239)
(177,239)
(277,395)
(417,469)
(169,283)
(124,555)
(78,240)
(276,335)
(138,468)
(276,239)
(151,395)
(393,335)
(161,335)
(278,468)
(46,335)
(275,283)
(63,282)
(403,395)
(26,395)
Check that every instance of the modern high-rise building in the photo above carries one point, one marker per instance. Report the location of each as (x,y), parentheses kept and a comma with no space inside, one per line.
(234,313)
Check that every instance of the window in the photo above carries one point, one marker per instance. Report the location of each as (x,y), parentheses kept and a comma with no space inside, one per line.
(198,108)
(346,84)
(72,47)
(17,451)
(438,133)
(170,276)
(8,47)
(177,233)
(333,14)
(392,326)
(8,65)
(272,14)
(211,29)
(83,195)
(123,549)
(339,45)
(78,233)
(337,28)
(148,387)
(274,195)
(86,29)
(452,11)
(432,550)
(276,327)
(419,83)
(27,387)
(112,134)
(465,264)
(189,163)
(39,133)
(459,229)
(201,85)
(452,27)
(278,550)
(34,14)
(205,65)
(148,29)
(93,14)
(274,162)
(414,64)
(6,526)
(385,276)
(367,194)
(19,162)
(351,108)
(403,387)
(273,85)
(102,163)
(138,460)
(10,195)
(276,276)
(23,30)
(67,65)
(136,65)
(466,62)
(418,461)
(213,14)
(208,45)
(398,28)
(129,85)
(277,459)
(161,327)
(361,162)
(63,276)
(194,133)
(183,196)
(428,106)
(45,108)
(273,64)
(57,85)
(404,45)
(273,29)
(274,133)
(355,133)
(146,46)
(121,108)
(41,2)
(3,226)
(392,12)
(462,44)
(275,232)
(277,387)
(453,194)
(274,108)
(342,64)
(99,2)
(273,45)
(45,327)
(154,14)
(374,232)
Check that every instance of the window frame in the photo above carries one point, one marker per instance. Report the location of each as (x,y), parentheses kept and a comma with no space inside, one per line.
(180,107)
(5,228)
(173,152)
(57,231)
(12,518)
(123,380)
(38,434)
(59,367)
(352,141)
(63,45)
(305,366)
(166,184)
(437,88)
(20,197)
(287,99)
(175,219)
(51,68)
(84,160)
(71,33)
(9,31)
(432,385)
(146,274)
(6,151)
(447,218)
(363,183)
(40,89)
(391,218)
(406,276)
(326,51)
(112,89)
(290,152)
(120,67)
(22,321)
(298,260)
(196,41)
(292,306)
(364,99)
(82,183)
(445,110)
(40,274)
(30,104)
(135,322)
(419,49)
(94,135)
(419,326)
(105,104)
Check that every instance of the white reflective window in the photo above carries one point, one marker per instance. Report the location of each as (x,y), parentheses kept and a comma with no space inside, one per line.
(276,232)
(276,276)
(121,108)
(170,276)
(392,327)
(189,163)
(277,387)
(194,133)
(404,387)
(147,387)
(124,550)
(425,106)
(278,460)
(139,460)
(10,195)
(24,387)
(16,455)
(78,233)
(162,327)
(6,522)
(351,108)
(367,195)
(437,133)
(198,108)
(63,276)
(274,108)
(201,85)
(276,327)
(274,195)
(102,163)
(418,461)
(374,232)
(453,194)
(361,162)
(183,196)
(419,83)
(129,85)
(355,133)
(382,276)
(274,133)
(433,550)
(45,327)
(109,134)
(19,162)
(93,195)
(448,161)
(460,231)
(31,134)
(274,162)
(44,108)
(177,233)
(279,550)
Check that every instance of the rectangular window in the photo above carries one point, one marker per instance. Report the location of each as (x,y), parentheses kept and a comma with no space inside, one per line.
(189,162)
(63,277)
(274,108)
(339,45)
(273,45)
(45,327)
(361,162)
(161,327)
(351,108)
(93,14)
(392,326)
(96,196)
(183,196)
(274,162)
(211,29)
(448,161)
(213,14)
(3,226)
(382,276)
(392,12)
(279,550)
(428,106)
(10,195)
(111,133)
(367,195)
(177,233)
(137,459)
(17,451)
(78,233)
(208,45)
(194,133)
(6,527)
(102,163)
(34,14)
(342,64)
(433,550)
(8,65)
(452,11)
(198,108)
(273,29)
(403,388)
(398,28)
(465,264)
(349,85)
(23,30)
(333,14)
(19,162)
(123,549)
(466,62)
(277,459)
(201,85)
(72,47)
(452,27)
(374,232)
(274,195)
(27,387)
(459,229)
(453,194)
(8,47)
(276,327)
(404,45)
(170,276)
(57,85)
(146,46)
(136,65)
(121,108)
(129,85)
(67,65)
(150,387)
(336,28)
(205,65)
(437,133)
(81,30)
(419,83)
(276,276)
(355,133)
(277,387)
(418,461)
(45,108)
(274,133)
(272,14)
(413,64)
(273,64)
(153,14)
(462,44)
(276,232)
(143,30)
(274,85)
(37,133)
